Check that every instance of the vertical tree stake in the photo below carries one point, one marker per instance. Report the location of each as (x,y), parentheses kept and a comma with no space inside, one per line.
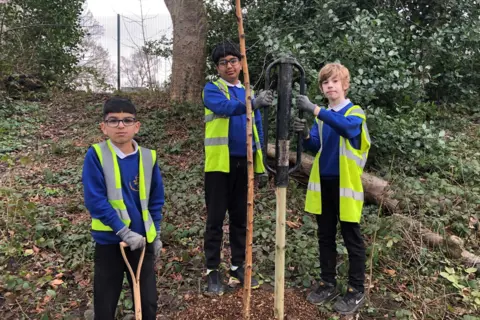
(247,285)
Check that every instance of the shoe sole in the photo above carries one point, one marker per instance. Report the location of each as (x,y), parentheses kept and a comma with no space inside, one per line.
(213,294)
(333,296)
(235,279)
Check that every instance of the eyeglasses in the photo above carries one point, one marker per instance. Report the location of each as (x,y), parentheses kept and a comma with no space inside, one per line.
(114,123)
(233,62)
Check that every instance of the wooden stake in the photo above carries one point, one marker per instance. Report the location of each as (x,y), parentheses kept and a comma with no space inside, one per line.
(247,286)
(280,253)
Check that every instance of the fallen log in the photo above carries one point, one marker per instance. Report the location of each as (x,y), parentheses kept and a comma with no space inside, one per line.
(376,190)
(453,245)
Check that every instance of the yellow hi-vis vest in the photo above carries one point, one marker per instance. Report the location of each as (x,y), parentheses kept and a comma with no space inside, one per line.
(217,154)
(111,171)
(352,162)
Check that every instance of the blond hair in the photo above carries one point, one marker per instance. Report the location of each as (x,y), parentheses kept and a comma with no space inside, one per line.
(335,70)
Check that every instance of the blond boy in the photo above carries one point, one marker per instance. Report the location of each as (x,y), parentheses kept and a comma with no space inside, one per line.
(341,141)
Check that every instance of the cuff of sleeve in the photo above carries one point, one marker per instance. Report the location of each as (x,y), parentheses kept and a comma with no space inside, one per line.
(118,225)
(320,115)
(157,226)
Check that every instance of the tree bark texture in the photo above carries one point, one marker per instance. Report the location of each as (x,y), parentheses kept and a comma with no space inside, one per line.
(189,19)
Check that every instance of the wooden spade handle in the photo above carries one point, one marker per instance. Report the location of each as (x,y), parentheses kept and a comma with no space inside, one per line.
(135,279)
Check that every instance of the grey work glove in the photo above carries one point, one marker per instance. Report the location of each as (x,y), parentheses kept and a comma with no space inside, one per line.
(157,246)
(303,103)
(300,125)
(133,239)
(264,99)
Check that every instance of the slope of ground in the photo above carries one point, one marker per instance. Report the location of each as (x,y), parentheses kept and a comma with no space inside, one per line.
(46,249)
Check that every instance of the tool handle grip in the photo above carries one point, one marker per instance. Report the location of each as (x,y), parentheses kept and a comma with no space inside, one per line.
(300,115)
(135,278)
(265,118)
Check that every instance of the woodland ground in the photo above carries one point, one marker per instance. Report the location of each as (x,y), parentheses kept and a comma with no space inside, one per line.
(46,248)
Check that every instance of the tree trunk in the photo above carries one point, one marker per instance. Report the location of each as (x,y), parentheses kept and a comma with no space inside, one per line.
(189,19)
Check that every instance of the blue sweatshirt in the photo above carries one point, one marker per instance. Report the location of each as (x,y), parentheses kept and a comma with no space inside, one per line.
(235,108)
(95,193)
(335,124)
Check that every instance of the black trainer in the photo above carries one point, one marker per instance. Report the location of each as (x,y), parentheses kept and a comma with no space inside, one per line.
(239,275)
(215,284)
(324,293)
(351,302)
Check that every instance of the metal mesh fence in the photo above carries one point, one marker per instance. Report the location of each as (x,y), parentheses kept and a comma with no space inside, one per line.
(115,49)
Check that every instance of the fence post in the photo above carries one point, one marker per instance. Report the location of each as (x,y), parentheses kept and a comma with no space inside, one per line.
(118,52)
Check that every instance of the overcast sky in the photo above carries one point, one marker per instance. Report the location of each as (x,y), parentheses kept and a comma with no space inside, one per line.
(157,23)
(112,7)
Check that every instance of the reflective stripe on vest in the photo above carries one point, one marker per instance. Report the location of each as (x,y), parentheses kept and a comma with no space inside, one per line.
(111,171)
(217,154)
(351,163)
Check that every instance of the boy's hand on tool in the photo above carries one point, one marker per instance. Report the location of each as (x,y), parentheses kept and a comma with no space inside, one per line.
(133,239)
(157,246)
(264,99)
(300,125)
(303,103)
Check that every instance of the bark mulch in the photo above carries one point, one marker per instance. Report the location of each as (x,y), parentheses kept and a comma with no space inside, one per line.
(230,306)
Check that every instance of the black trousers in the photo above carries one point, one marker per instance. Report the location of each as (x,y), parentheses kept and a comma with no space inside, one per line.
(108,279)
(327,231)
(226,191)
